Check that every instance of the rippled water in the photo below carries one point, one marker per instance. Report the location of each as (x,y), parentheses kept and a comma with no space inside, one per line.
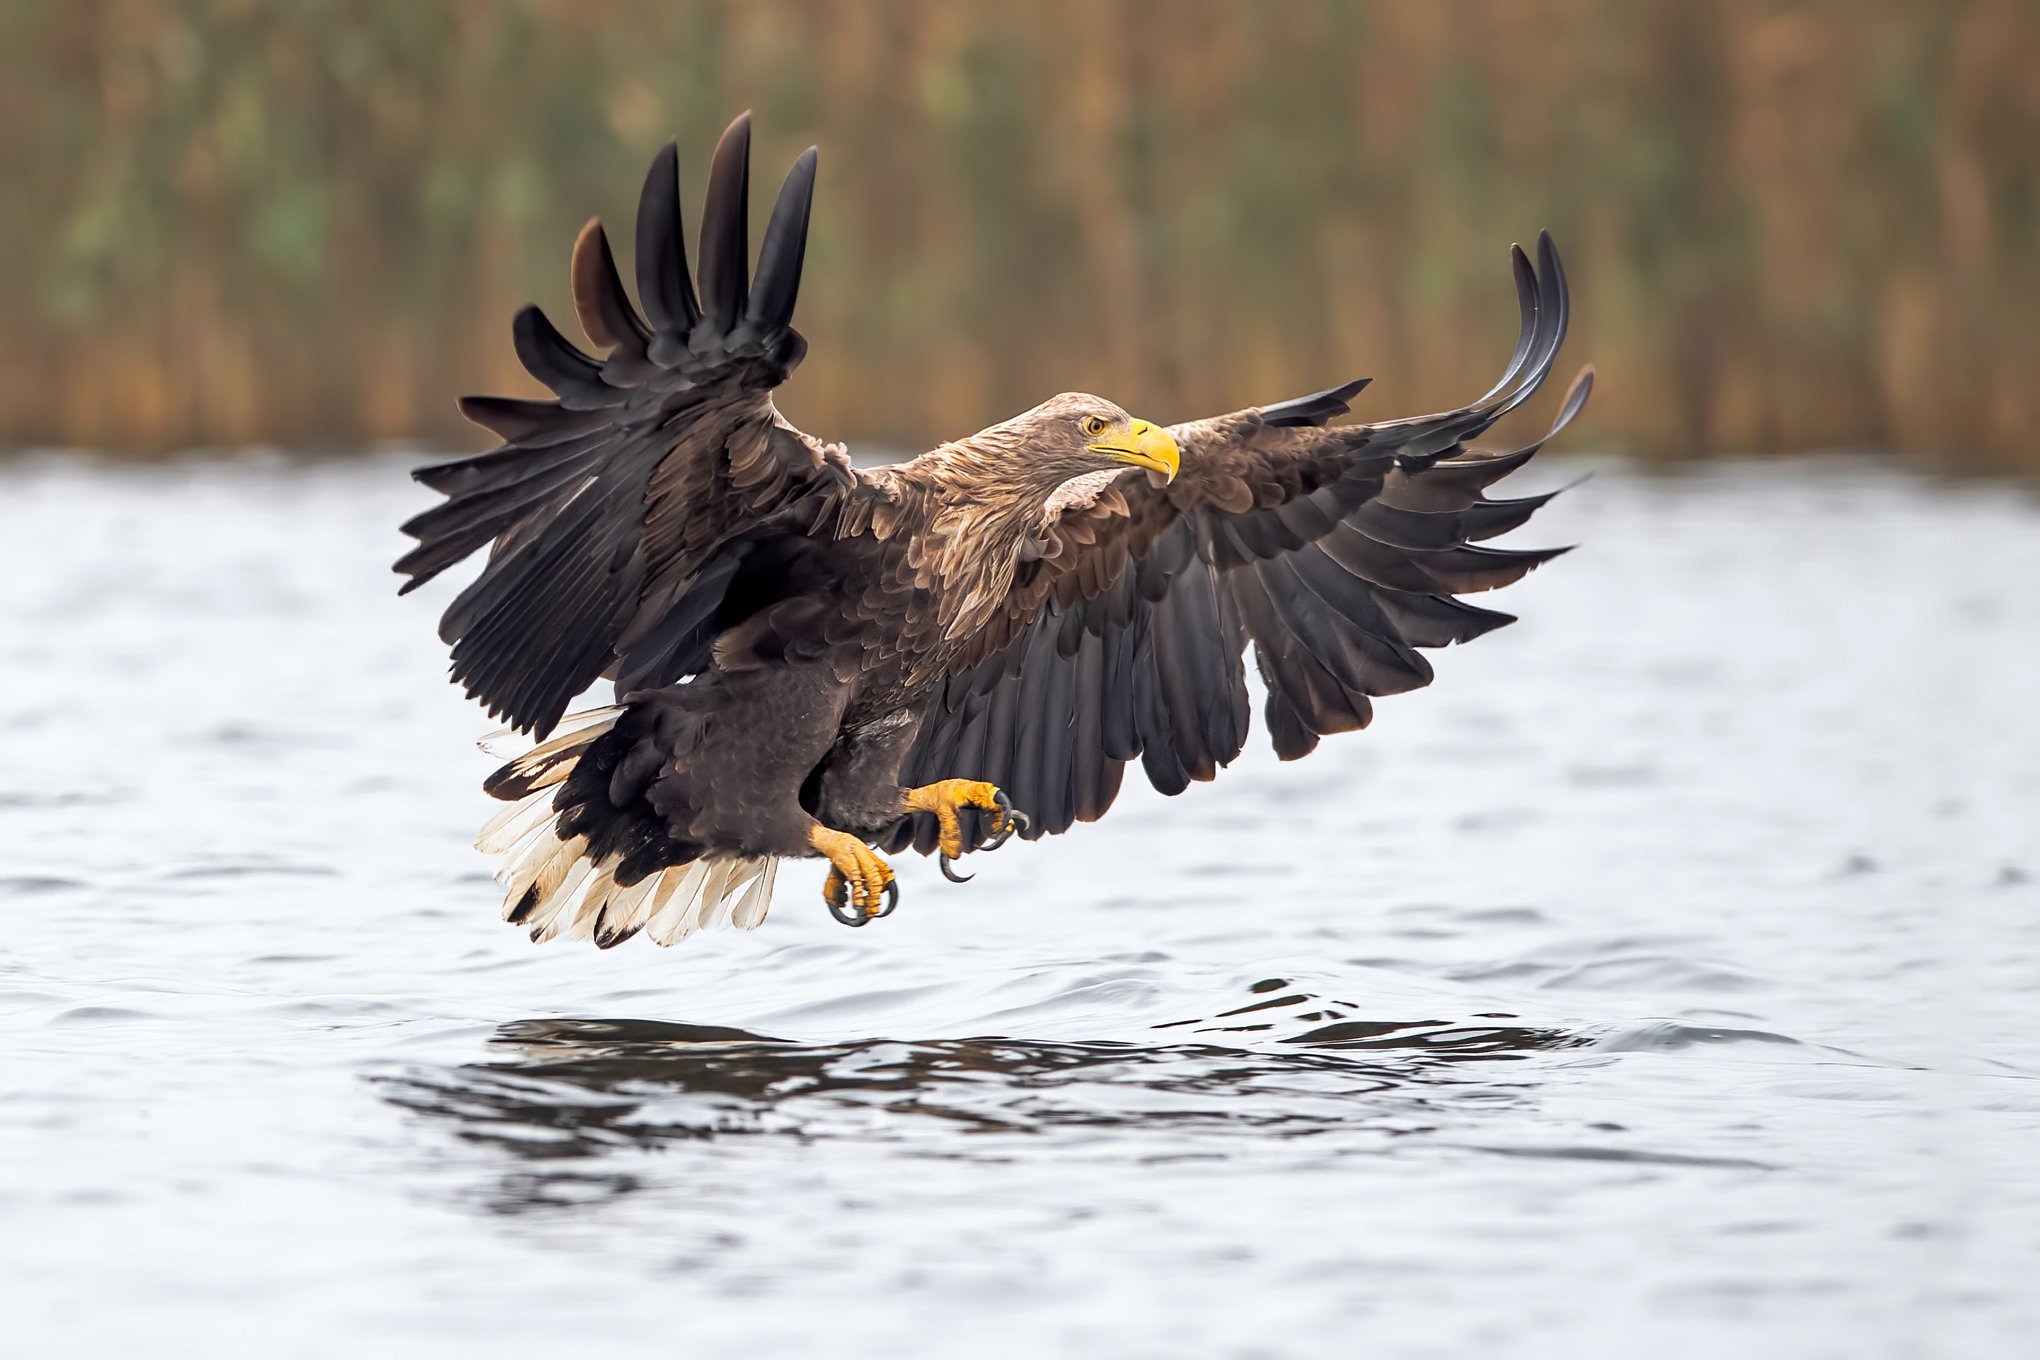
(1667,976)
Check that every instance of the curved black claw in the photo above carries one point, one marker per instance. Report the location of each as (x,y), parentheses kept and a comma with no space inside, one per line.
(840,908)
(1011,819)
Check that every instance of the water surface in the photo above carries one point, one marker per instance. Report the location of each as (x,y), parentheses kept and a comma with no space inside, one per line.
(1667,976)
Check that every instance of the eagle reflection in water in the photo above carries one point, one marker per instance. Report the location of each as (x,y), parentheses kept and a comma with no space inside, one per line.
(569,1100)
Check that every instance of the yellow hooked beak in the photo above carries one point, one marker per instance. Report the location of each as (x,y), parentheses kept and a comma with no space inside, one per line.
(1141,444)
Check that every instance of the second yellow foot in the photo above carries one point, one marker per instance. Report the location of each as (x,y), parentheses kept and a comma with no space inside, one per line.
(860,885)
(947,797)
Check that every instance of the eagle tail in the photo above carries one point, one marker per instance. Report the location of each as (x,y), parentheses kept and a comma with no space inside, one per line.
(576,865)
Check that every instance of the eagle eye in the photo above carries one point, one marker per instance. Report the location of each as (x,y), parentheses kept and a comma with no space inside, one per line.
(1094,425)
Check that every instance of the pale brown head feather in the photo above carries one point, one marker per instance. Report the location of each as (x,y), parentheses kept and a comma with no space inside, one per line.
(988,500)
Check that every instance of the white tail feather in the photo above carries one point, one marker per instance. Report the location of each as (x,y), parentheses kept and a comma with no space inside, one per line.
(514,823)
(588,904)
(713,892)
(537,845)
(545,868)
(548,764)
(552,914)
(675,921)
(668,884)
(504,741)
(623,914)
(757,899)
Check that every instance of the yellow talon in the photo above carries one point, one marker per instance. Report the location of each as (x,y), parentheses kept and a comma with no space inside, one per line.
(860,885)
(945,797)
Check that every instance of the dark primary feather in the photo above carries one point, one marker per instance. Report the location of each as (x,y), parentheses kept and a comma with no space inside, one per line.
(600,303)
(621,511)
(784,248)
(1333,554)
(725,230)
(664,283)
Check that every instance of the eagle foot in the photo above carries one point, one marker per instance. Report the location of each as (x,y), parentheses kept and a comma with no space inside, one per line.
(948,798)
(860,887)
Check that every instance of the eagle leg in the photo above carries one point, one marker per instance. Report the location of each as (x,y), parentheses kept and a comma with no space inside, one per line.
(947,798)
(860,887)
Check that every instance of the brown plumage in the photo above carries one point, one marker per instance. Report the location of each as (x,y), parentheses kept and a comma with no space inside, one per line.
(798,644)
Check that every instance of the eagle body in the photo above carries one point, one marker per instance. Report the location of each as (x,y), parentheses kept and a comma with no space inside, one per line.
(815,659)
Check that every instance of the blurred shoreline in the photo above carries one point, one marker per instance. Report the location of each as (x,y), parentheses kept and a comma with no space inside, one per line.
(1789,228)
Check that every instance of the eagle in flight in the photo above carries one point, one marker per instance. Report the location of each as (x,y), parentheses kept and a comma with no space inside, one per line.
(812,658)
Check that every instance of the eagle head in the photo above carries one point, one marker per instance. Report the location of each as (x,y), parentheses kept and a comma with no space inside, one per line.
(1075,433)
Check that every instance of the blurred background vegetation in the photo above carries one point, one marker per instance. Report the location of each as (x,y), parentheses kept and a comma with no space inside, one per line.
(1789,226)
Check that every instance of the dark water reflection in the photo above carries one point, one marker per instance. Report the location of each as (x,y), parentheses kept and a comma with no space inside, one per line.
(579,1087)
(559,1094)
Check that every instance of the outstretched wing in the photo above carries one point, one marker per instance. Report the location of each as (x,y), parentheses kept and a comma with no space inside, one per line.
(1336,554)
(621,510)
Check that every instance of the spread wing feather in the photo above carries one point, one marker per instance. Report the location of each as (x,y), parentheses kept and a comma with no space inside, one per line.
(1332,553)
(620,511)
